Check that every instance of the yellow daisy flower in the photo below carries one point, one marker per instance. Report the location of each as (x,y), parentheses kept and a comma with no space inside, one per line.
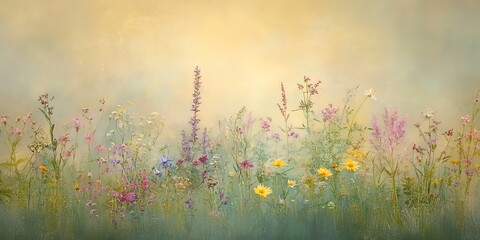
(291,183)
(43,169)
(262,190)
(278,163)
(323,172)
(351,165)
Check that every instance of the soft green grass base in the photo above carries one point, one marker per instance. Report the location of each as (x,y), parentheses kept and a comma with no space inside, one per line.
(309,223)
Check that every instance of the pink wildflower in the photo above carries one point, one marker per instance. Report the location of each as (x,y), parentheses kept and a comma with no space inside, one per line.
(195,162)
(292,134)
(145,182)
(130,197)
(475,133)
(388,138)
(465,119)
(88,137)
(246,164)
(329,113)
(68,153)
(26,117)
(64,139)
(99,148)
(76,123)
(15,132)
(266,124)
(203,159)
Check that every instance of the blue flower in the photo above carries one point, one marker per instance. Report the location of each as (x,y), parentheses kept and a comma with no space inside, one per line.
(165,162)
(189,202)
(157,172)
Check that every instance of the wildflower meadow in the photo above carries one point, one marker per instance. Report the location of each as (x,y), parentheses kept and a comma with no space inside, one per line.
(107,173)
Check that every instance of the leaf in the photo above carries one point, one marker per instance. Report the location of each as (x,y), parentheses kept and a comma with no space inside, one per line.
(388,172)
(288,170)
(5,164)
(19,161)
(5,192)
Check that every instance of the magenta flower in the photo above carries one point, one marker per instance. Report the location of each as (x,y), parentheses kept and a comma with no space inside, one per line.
(180,162)
(145,182)
(292,134)
(449,132)
(329,113)
(246,165)
(130,197)
(203,159)
(133,185)
(266,124)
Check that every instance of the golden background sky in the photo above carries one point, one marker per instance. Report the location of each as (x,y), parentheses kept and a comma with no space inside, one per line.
(416,54)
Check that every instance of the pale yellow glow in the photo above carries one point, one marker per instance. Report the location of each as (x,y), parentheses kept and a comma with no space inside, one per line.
(416,55)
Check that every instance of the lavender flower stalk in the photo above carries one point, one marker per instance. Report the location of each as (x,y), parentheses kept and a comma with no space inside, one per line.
(283,110)
(194,121)
(385,142)
(186,149)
